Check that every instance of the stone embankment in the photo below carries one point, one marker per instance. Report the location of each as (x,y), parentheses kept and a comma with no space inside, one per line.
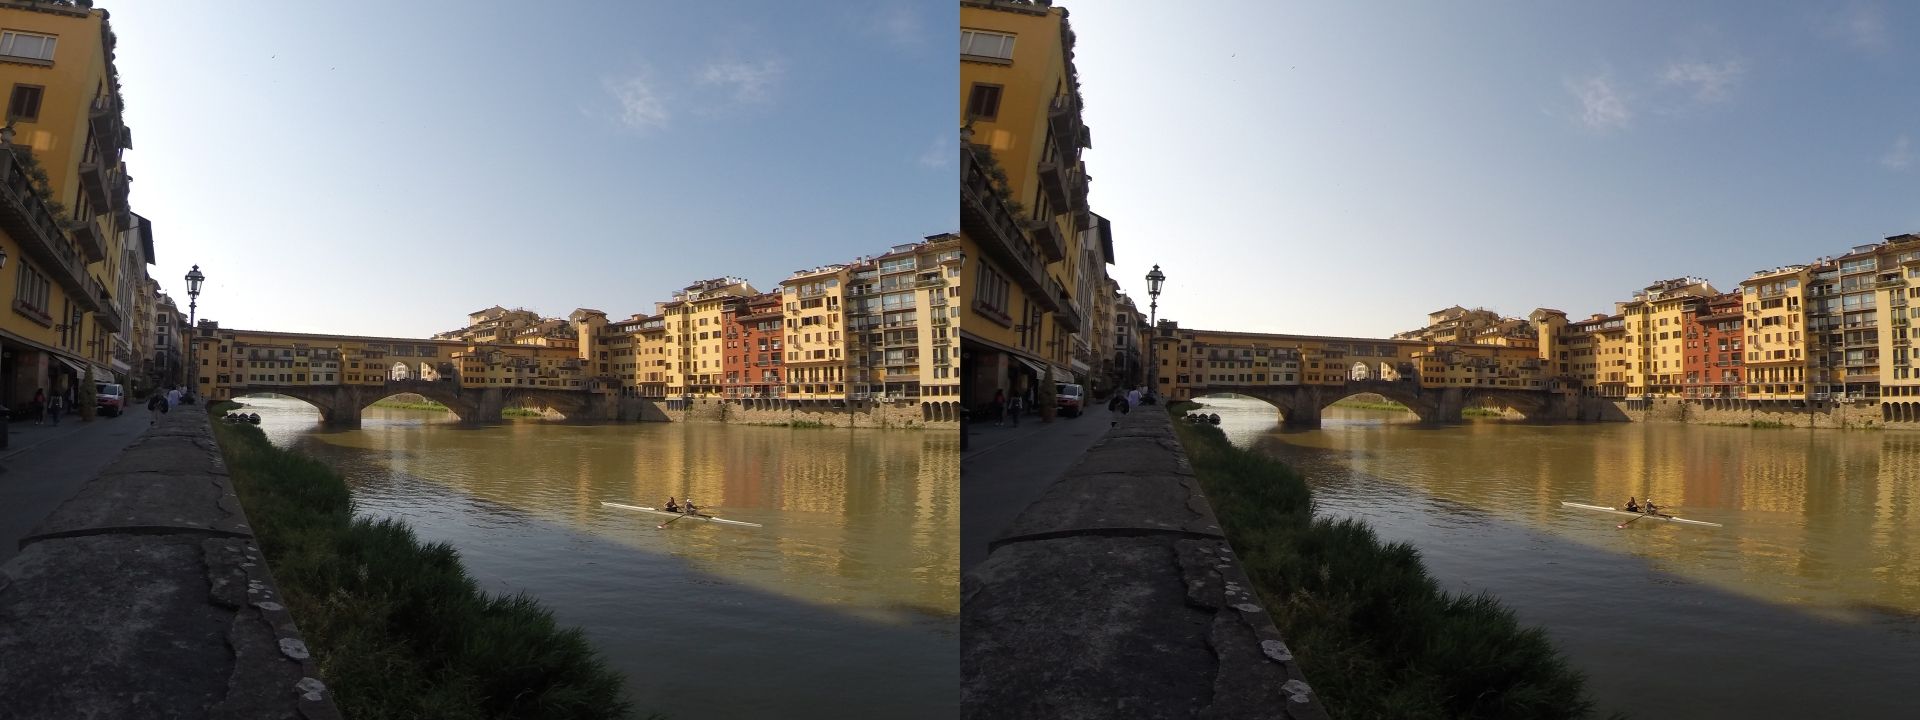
(1115,595)
(145,595)
(1835,415)
(925,415)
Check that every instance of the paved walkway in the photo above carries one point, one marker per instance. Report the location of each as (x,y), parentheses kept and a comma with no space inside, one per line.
(43,465)
(142,594)
(1005,469)
(1115,595)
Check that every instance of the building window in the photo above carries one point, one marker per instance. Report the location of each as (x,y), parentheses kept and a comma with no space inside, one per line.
(982,103)
(25,104)
(981,44)
(40,47)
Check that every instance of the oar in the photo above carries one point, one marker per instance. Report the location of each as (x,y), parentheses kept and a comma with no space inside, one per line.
(664,525)
(1635,519)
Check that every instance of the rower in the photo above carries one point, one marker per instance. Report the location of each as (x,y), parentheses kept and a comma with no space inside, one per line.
(690,509)
(1652,509)
(671,507)
(1631,505)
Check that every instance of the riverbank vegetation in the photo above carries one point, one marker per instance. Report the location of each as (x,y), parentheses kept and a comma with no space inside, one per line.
(398,628)
(1358,404)
(1376,635)
(408,402)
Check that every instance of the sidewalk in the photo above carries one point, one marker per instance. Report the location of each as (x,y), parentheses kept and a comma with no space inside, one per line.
(1006,468)
(24,435)
(144,594)
(1115,595)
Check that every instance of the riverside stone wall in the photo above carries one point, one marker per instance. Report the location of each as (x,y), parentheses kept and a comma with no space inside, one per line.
(781,412)
(1733,412)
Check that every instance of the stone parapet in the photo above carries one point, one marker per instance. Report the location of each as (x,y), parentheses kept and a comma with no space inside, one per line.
(1116,595)
(146,595)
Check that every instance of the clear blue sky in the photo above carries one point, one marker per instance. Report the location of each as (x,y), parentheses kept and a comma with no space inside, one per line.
(385,168)
(1345,168)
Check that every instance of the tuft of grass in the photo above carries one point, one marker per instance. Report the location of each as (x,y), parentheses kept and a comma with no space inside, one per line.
(1377,636)
(1481,412)
(522,412)
(428,405)
(398,628)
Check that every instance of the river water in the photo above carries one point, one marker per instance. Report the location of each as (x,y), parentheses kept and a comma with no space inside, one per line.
(846,604)
(1806,604)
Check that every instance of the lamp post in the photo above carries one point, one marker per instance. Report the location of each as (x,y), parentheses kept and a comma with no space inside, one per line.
(1154,280)
(194,280)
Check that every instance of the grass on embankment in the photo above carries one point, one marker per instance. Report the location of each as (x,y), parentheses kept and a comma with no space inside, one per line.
(398,628)
(1391,406)
(432,406)
(1377,637)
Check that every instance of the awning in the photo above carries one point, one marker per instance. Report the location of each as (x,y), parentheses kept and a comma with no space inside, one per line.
(1039,371)
(79,370)
(101,374)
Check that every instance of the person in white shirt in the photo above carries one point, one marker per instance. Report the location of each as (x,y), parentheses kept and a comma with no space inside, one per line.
(1133,397)
(173,397)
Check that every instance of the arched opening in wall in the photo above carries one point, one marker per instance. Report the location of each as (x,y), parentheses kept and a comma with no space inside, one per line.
(1376,403)
(1238,409)
(400,371)
(411,407)
(278,405)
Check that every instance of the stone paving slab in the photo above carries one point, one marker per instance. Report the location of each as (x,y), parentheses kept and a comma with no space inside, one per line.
(1116,596)
(145,596)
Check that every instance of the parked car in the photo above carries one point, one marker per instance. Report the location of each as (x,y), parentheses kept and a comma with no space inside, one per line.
(1069,398)
(109,399)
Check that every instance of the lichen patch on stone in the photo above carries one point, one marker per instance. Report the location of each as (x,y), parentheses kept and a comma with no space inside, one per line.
(293,648)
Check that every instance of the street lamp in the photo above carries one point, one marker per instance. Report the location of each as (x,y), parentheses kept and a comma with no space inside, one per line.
(1154,280)
(194,279)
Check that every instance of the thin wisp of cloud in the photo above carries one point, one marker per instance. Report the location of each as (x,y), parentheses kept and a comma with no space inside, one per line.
(1900,155)
(639,106)
(748,83)
(1602,106)
(1707,82)
(939,154)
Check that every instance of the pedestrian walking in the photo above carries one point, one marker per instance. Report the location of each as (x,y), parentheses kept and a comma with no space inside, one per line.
(38,408)
(173,396)
(1014,407)
(1133,397)
(54,408)
(999,407)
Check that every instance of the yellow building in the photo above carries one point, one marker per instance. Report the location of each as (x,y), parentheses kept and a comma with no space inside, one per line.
(1198,362)
(1897,287)
(814,306)
(696,335)
(1656,331)
(1023,199)
(1779,356)
(63,203)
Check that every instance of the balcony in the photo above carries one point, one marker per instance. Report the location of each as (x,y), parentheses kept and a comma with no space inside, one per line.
(1055,176)
(1065,122)
(1053,246)
(105,116)
(27,220)
(107,315)
(86,235)
(942,320)
(95,181)
(1069,312)
(930,282)
(985,218)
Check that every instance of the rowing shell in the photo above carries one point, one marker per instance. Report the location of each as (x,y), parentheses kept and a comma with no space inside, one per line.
(703,518)
(1662,518)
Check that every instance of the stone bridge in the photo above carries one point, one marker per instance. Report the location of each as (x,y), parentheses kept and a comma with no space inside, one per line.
(340,405)
(1300,405)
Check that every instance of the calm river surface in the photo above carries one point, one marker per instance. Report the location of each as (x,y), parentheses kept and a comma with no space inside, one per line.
(1807,604)
(845,605)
